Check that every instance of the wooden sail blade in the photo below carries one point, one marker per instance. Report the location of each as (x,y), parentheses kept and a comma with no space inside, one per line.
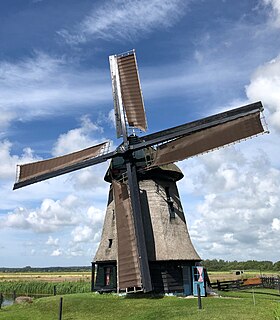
(209,139)
(129,274)
(131,91)
(195,126)
(41,170)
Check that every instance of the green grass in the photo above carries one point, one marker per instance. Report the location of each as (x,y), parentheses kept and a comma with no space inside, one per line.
(42,287)
(233,305)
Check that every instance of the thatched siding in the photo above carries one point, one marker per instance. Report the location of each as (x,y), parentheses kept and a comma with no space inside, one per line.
(167,238)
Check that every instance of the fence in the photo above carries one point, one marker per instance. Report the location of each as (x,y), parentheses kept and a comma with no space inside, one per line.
(271,282)
(226,285)
(264,282)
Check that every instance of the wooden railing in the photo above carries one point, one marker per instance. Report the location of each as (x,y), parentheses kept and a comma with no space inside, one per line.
(226,285)
(264,282)
(271,282)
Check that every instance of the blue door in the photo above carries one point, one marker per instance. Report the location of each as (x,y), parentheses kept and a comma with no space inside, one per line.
(198,280)
(187,280)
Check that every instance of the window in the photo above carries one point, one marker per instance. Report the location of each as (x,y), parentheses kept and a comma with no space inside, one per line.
(170,203)
(107,273)
(110,243)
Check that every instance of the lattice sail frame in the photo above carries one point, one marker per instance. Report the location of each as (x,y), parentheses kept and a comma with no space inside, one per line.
(127,94)
(46,168)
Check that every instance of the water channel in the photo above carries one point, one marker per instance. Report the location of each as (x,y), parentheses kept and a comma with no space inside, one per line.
(7,301)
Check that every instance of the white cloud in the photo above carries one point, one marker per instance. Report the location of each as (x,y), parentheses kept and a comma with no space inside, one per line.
(5,119)
(51,216)
(92,230)
(76,251)
(52,242)
(95,215)
(56,253)
(9,162)
(265,86)
(276,224)
(82,234)
(237,210)
(112,118)
(17,219)
(128,19)
(91,179)
(78,138)
(275,14)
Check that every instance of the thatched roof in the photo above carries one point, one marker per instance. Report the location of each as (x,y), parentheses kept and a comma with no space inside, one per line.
(166,238)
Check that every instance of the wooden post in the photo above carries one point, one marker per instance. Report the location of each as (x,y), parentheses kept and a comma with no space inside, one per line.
(199,297)
(60,309)
(219,285)
(92,276)
(254,300)
(14,295)
(54,290)
(1,299)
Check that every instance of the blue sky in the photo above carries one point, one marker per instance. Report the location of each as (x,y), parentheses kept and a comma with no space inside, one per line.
(196,58)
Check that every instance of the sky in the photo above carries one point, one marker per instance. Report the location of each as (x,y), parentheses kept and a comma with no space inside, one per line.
(195,59)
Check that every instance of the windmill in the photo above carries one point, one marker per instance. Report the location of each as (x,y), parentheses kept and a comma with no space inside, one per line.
(145,243)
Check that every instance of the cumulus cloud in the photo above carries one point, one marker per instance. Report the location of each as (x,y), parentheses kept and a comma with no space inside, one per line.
(90,182)
(92,230)
(52,242)
(239,212)
(81,221)
(276,224)
(87,135)
(76,250)
(56,253)
(275,13)
(62,211)
(265,86)
(128,19)
(49,217)
(82,234)
(9,161)
(78,138)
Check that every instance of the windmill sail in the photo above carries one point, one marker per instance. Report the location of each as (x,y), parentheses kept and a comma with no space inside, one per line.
(128,99)
(129,274)
(209,139)
(41,170)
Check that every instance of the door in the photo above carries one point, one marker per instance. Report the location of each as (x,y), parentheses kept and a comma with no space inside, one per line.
(198,281)
(187,280)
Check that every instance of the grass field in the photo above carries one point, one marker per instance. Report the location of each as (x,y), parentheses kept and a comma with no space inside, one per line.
(231,306)
(264,305)
(43,288)
(45,276)
(86,276)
